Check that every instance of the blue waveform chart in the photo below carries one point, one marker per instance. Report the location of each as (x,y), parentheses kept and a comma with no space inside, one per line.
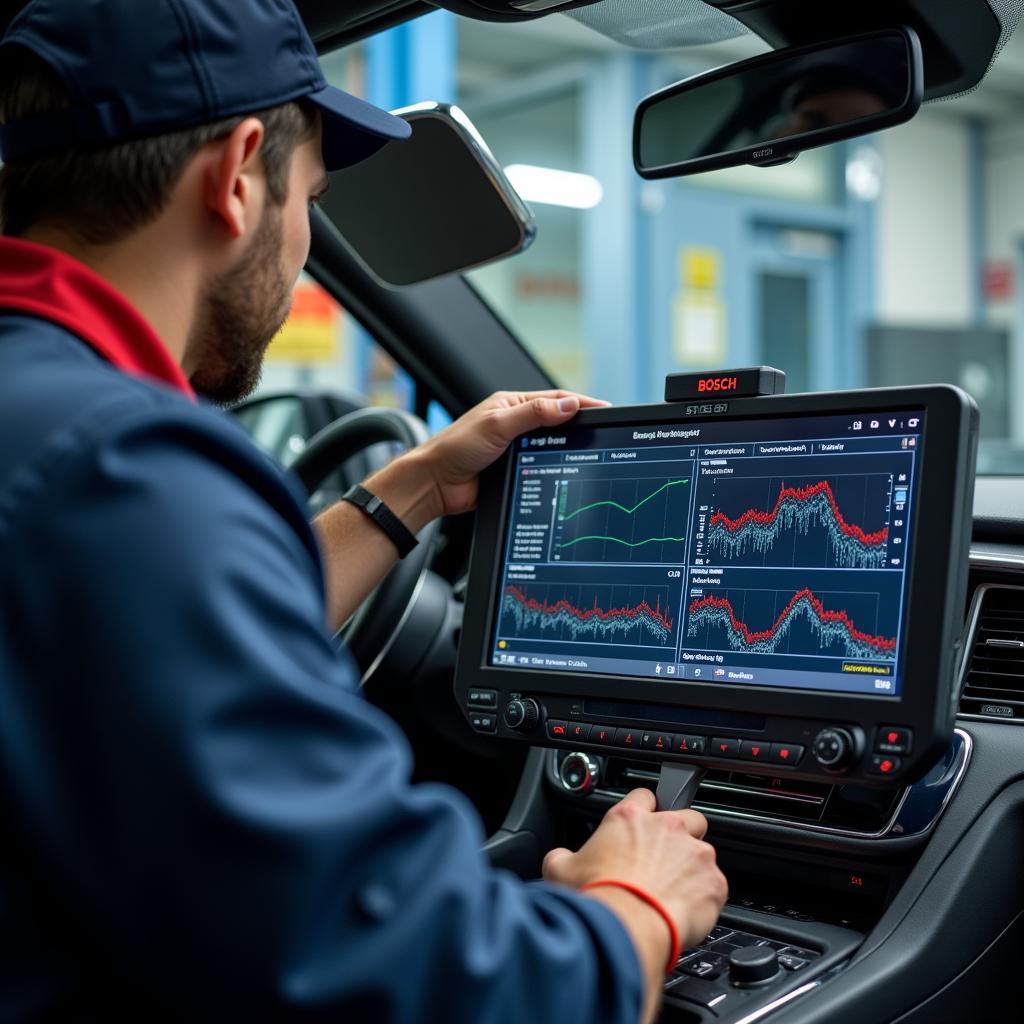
(816,522)
(848,625)
(608,614)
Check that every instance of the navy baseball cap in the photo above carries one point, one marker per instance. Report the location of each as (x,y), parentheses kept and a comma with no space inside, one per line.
(137,68)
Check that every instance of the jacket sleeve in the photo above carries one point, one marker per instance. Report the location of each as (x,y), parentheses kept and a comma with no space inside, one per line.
(231,826)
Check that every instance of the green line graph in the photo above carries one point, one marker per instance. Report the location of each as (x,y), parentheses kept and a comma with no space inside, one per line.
(626,543)
(622,518)
(615,504)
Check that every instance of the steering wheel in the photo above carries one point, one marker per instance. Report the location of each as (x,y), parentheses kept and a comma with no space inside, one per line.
(371,630)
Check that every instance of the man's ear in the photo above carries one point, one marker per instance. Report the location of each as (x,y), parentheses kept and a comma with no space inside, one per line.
(232,189)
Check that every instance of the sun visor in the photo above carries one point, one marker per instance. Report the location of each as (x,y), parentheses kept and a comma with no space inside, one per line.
(658,24)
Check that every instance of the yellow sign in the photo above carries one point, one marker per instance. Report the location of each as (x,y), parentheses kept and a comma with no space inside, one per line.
(700,269)
(311,334)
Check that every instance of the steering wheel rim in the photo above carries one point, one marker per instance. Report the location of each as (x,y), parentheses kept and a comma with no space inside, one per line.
(372,629)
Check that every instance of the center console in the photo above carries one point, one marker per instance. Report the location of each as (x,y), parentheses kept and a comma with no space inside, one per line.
(750,604)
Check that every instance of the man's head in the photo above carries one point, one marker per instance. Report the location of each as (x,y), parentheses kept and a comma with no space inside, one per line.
(104,195)
(193,134)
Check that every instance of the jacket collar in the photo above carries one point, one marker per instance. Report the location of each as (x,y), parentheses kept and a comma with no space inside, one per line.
(46,283)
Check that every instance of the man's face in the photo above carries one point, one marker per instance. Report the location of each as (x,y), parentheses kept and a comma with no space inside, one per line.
(243,309)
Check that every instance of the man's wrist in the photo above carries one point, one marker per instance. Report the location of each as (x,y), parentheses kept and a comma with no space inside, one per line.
(646,926)
(409,489)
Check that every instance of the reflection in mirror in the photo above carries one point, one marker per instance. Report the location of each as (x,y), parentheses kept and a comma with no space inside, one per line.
(278,424)
(436,204)
(767,109)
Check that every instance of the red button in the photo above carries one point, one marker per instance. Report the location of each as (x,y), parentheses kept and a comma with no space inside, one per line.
(724,747)
(882,765)
(786,753)
(656,740)
(627,738)
(755,750)
(686,744)
(894,739)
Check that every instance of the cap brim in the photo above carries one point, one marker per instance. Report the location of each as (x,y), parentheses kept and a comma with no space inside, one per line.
(354,130)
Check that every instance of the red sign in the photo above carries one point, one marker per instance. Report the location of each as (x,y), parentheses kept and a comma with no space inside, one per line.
(998,281)
(717,384)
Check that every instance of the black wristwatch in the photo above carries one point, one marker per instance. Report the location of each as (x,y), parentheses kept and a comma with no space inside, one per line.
(398,533)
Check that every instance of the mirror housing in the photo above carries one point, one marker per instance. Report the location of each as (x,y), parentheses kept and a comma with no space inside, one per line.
(766,110)
(436,204)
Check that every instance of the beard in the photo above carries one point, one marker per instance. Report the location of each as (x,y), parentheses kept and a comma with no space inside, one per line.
(240,313)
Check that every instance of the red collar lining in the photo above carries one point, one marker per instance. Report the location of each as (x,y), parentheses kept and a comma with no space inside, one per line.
(49,284)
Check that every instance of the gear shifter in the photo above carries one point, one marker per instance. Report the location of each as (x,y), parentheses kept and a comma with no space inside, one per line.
(677,786)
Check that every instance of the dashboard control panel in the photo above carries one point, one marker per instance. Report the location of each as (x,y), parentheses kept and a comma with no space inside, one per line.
(828,750)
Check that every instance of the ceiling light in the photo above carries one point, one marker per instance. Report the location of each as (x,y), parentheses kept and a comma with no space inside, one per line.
(557,188)
(864,174)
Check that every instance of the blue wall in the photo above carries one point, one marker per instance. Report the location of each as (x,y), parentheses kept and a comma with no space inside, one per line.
(629,261)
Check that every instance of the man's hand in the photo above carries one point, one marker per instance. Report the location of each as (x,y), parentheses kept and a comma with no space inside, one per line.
(456,457)
(662,853)
(438,478)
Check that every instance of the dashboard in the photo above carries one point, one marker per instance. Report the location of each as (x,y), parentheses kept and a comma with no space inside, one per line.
(879,902)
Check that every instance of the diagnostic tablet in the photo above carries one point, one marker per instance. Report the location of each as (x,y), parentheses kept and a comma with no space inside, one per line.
(773,582)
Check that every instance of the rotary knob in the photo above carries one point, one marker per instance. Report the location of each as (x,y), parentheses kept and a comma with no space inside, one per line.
(522,714)
(753,965)
(577,773)
(834,748)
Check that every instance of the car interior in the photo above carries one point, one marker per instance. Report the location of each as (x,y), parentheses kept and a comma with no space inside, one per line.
(824,655)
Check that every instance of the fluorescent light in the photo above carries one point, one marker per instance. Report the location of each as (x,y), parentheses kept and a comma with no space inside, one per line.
(557,188)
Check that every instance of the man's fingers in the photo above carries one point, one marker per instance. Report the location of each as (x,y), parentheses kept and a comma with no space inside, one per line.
(538,412)
(586,401)
(695,822)
(643,798)
(555,857)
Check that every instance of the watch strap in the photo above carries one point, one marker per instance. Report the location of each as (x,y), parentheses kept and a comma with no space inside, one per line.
(398,533)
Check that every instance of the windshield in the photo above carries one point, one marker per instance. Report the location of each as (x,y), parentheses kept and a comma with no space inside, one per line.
(889,260)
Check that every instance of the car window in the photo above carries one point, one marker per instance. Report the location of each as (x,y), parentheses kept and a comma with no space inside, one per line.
(322,348)
(894,259)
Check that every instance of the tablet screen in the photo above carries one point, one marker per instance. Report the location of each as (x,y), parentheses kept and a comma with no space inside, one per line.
(757,552)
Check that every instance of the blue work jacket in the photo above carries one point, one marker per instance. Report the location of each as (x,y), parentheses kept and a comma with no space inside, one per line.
(203,817)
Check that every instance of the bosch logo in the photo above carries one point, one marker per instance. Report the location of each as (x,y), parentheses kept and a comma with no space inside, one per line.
(759,153)
(706,384)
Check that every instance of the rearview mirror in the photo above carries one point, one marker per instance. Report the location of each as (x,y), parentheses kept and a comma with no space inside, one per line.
(435,204)
(766,110)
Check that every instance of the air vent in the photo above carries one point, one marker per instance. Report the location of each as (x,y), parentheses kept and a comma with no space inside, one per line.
(994,683)
(847,809)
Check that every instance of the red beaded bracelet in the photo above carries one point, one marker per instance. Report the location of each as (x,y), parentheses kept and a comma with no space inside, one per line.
(677,947)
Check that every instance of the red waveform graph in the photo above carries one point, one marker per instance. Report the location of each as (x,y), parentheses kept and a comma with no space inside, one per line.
(830,629)
(798,509)
(524,615)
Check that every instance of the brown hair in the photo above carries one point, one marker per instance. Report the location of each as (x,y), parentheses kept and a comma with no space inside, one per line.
(101,195)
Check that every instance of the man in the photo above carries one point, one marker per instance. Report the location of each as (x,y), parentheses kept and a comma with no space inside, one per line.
(204,818)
